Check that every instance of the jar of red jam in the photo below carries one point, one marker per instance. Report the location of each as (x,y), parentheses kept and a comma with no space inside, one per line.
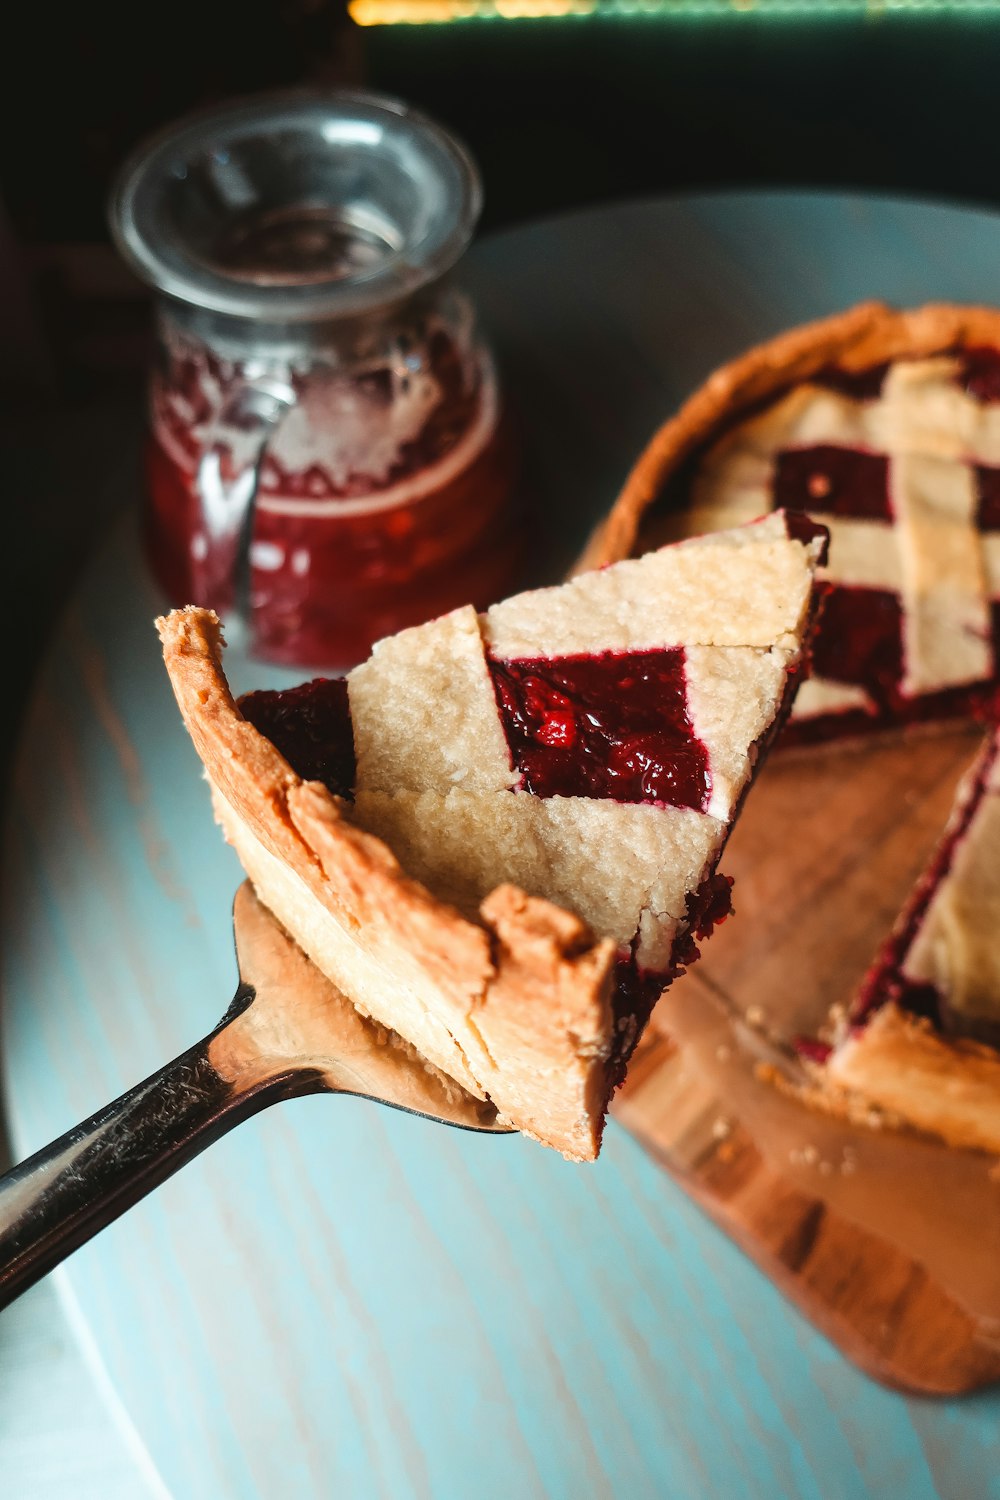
(327,459)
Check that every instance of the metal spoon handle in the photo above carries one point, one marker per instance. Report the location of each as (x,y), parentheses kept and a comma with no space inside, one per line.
(60,1197)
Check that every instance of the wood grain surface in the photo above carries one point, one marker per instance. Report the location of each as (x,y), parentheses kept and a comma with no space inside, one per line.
(901,1274)
(340,1301)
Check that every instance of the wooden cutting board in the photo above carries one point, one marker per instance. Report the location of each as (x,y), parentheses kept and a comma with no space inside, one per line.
(890,1246)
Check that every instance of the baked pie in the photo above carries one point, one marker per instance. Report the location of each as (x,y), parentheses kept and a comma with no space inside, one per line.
(884,426)
(921,1039)
(499,835)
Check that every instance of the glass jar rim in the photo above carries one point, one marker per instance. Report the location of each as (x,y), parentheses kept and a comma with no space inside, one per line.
(416,199)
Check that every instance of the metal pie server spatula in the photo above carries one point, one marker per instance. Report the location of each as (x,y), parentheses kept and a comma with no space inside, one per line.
(288,1032)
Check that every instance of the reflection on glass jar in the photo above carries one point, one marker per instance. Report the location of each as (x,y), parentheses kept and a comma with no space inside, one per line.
(327,459)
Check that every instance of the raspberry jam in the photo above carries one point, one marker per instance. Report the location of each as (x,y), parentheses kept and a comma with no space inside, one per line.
(613,725)
(311,727)
(327,461)
(382,500)
(987,498)
(861,640)
(833,481)
(636,990)
(856,385)
(980,373)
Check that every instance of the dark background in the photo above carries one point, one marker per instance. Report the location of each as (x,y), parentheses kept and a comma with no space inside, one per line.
(559,113)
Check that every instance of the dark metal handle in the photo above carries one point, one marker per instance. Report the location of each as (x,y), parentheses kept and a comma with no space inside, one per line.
(60,1197)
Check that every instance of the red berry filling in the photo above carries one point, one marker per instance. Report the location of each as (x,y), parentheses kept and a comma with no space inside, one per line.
(833,481)
(636,990)
(802,528)
(987,498)
(980,373)
(856,385)
(311,727)
(860,640)
(812,1048)
(614,725)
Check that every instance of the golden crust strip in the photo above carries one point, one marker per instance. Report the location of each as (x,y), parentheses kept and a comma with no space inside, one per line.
(946,1087)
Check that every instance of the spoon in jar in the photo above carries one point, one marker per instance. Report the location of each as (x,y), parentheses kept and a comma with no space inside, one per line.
(288,1032)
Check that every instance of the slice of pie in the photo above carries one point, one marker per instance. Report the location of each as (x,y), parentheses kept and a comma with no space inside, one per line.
(921,1039)
(885,426)
(499,835)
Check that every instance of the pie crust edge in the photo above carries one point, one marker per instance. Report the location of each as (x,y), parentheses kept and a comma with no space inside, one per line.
(494,975)
(948,1087)
(898,1072)
(864,335)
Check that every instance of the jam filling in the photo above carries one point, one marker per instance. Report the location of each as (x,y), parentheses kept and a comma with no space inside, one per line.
(857,385)
(812,1049)
(614,725)
(833,481)
(802,528)
(311,727)
(987,498)
(860,640)
(707,908)
(636,990)
(328,579)
(980,373)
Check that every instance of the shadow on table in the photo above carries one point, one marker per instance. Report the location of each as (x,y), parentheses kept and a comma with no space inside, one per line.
(71,465)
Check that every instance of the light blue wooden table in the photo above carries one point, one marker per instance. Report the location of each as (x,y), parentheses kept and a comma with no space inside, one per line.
(338,1301)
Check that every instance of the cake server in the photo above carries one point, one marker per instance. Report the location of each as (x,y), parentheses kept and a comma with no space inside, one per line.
(288,1032)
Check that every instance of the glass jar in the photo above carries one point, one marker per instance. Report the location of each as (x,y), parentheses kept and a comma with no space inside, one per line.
(327,460)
